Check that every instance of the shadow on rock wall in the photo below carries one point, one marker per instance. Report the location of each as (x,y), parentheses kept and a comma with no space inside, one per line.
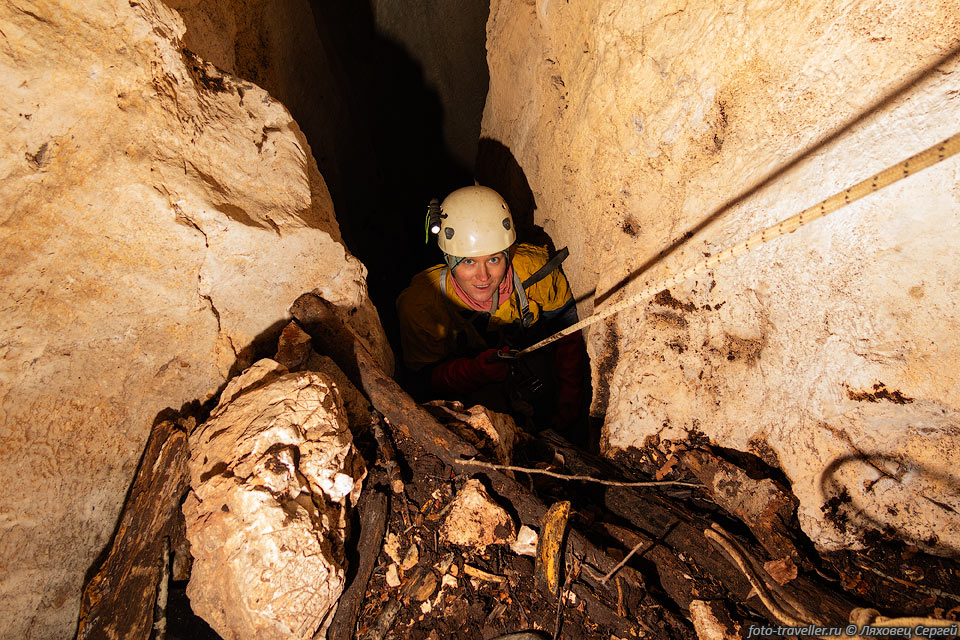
(861,516)
(402,161)
(498,169)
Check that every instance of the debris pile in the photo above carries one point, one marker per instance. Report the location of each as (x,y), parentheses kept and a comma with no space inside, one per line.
(468,528)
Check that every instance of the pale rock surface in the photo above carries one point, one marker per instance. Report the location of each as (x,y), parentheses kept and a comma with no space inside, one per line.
(476,520)
(526,542)
(273,473)
(636,123)
(156,218)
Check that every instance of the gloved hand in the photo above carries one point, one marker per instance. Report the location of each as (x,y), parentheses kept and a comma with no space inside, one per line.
(464,375)
(567,359)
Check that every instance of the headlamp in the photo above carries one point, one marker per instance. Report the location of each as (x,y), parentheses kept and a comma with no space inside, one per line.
(434,217)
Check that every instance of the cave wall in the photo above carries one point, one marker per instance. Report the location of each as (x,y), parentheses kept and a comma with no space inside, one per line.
(684,127)
(446,39)
(158,218)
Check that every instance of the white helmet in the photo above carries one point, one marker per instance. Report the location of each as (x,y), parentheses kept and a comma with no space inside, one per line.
(475,221)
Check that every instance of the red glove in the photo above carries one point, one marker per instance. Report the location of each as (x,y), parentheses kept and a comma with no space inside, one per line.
(567,358)
(464,375)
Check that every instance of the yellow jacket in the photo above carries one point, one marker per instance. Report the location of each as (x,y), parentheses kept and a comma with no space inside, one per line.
(431,321)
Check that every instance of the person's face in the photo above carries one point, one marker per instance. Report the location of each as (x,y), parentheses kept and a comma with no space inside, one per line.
(481,276)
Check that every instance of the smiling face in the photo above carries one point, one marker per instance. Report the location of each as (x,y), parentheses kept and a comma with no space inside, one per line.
(480,276)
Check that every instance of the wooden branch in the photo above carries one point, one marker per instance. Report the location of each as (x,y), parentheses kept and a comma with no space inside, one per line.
(392,468)
(119,601)
(415,431)
(763,505)
(331,337)
(683,549)
(373,509)
(564,476)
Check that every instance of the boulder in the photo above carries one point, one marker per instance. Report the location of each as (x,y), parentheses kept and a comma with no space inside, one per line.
(273,474)
(476,520)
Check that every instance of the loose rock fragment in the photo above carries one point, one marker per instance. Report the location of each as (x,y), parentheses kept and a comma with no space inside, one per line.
(393,576)
(272,474)
(411,558)
(392,547)
(475,520)
(526,542)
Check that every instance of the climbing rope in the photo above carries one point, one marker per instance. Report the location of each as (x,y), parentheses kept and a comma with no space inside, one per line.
(926,158)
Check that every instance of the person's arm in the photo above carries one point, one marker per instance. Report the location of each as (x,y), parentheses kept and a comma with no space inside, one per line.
(464,375)
(429,370)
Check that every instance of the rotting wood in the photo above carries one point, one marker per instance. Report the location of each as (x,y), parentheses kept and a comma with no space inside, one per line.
(416,430)
(394,478)
(119,601)
(683,549)
(550,546)
(372,508)
(762,505)
(318,318)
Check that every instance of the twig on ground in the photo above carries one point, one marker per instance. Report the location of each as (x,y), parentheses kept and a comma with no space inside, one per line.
(740,558)
(394,479)
(623,562)
(563,476)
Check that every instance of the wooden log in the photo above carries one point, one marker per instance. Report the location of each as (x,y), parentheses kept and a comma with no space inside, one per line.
(118,602)
(763,505)
(373,524)
(330,336)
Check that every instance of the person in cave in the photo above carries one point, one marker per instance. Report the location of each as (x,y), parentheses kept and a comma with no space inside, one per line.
(462,322)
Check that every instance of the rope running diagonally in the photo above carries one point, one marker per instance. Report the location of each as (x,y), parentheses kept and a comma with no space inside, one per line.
(926,158)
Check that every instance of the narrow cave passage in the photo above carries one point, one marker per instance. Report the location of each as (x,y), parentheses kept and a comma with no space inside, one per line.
(796,408)
(403,137)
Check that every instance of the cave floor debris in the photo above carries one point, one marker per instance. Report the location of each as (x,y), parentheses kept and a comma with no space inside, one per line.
(461,592)
(424,587)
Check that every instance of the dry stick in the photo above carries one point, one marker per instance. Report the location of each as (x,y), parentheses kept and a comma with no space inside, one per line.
(390,464)
(562,476)
(930,591)
(623,562)
(926,158)
(763,592)
(743,562)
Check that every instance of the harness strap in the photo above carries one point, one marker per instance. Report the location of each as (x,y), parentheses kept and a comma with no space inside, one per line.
(526,318)
(552,264)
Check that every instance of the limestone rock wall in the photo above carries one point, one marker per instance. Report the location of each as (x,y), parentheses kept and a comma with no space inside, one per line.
(832,353)
(281,47)
(157,217)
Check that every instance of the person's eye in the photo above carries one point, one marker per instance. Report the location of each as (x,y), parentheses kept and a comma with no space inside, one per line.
(494,260)
(468,261)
